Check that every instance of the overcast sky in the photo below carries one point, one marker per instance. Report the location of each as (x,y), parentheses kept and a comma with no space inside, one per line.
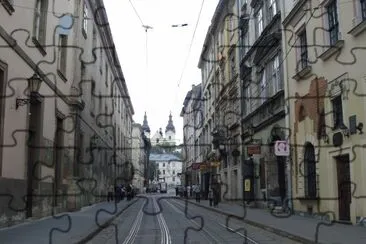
(159,89)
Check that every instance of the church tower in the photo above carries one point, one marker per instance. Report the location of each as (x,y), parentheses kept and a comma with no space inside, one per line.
(145,127)
(170,131)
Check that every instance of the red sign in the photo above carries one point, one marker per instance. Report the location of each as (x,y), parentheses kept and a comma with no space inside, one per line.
(195,166)
(254,149)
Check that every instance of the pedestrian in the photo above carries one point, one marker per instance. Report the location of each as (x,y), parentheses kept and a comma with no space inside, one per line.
(198,193)
(129,193)
(215,198)
(210,196)
(110,193)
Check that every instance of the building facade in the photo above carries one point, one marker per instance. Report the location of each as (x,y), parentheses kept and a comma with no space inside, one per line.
(263,105)
(167,138)
(138,156)
(51,132)
(219,64)
(168,168)
(324,91)
(192,113)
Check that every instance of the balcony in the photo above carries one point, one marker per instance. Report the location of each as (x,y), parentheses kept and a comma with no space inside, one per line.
(267,113)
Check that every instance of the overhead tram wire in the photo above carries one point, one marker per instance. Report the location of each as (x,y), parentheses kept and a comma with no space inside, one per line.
(146,27)
(188,55)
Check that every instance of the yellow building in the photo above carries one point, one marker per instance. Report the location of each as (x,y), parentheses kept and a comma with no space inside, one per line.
(325,86)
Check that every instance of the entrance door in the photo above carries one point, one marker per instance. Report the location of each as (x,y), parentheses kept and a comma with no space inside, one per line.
(344,187)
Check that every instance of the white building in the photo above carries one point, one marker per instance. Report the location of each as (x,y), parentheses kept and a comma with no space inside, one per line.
(169,138)
(168,168)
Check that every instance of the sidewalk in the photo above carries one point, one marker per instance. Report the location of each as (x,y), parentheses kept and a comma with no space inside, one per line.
(300,228)
(64,227)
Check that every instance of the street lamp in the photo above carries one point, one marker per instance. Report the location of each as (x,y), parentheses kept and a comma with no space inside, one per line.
(34,83)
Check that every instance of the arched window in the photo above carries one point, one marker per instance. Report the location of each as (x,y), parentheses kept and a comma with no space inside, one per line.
(309,171)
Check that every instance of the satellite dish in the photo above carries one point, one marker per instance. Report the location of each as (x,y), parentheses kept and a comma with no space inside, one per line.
(65,24)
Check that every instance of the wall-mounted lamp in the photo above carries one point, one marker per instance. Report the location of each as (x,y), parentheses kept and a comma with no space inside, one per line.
(360,128)
(34,83)
(325,138)
(345,131)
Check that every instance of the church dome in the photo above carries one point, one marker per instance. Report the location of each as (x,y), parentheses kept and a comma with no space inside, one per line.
(170,126)
(145,125)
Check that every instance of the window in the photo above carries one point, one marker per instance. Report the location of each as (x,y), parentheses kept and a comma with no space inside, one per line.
(310,171)
(40,16)
(62,50)
(272,8)
(363,9)
(232,65)
(163,164)
(173,178)
(106,74)
(259,23)
(333,22)
(173,172)
(82,69)
(94,37)
(337,112)
(276,78)
(263,87)
(163,171)
(8,5)
(85,19)
(303,62)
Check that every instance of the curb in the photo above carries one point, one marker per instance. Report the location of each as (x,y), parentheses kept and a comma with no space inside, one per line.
(95,232)
(257,224)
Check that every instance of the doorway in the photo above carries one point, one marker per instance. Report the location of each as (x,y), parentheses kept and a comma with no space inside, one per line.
(344,187)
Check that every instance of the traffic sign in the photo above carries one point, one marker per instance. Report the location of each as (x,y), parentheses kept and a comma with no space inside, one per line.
(282,148)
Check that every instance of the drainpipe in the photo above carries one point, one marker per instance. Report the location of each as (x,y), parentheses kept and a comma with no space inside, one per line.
(287,106)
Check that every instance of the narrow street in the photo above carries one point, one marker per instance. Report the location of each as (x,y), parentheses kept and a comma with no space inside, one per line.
(145,223)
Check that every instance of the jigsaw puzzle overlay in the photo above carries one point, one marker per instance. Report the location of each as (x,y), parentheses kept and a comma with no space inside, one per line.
(106,152)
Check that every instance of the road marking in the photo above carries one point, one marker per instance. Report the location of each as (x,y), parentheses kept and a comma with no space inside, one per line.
(194,222)
(240,234)
(165,235)
(227,227)
(135,227)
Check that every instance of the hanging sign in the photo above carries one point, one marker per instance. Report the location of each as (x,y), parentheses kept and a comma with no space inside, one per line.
(247,185)
(282,148)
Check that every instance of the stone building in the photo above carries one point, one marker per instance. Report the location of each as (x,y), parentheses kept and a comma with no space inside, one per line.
(263,104)
(219,64)
(167,138)
(139,154)
(192,113)
(168,167)
(325,83)
(53,133)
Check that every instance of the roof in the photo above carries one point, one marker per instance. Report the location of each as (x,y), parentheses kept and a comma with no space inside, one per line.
(163,157)
(211,29)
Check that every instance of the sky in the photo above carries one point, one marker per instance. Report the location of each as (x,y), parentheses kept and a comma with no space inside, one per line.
(159,84)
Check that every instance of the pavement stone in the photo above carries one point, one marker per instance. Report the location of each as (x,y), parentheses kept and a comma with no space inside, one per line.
(69,227)
(299,228)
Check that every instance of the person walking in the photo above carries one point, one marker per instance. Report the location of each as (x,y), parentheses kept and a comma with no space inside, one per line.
(198,193)
(110,193)
(215,198)
(210,196)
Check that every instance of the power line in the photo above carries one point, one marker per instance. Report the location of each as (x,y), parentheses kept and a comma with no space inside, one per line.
(189,51)
(137,14)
